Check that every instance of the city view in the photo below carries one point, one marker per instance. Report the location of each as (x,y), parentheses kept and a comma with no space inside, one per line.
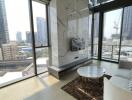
(111,35)
(16,52)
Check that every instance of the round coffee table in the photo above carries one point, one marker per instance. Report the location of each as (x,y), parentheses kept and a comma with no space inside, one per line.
(91,72)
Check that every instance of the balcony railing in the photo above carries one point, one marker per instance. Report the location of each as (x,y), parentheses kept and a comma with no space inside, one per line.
(111,52)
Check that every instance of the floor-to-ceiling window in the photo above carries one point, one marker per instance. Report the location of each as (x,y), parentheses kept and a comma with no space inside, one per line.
(112,28)
(16,52)
(111,34)
(21,40)
(95,35)
(41,36)
(89,37)
(126,46)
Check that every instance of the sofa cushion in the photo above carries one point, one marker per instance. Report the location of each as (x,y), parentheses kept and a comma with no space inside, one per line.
(119,81)
(124,73)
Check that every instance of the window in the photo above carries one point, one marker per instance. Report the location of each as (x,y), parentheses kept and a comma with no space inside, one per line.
(16,59)
(16,43)
(126,46)
(89,37)
(41,36)
(96,35)
(111,34)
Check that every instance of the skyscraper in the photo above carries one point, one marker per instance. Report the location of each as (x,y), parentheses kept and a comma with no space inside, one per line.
(41,31)
(96,24)
(4,36)
(19,37)
(28,37)
(127,23)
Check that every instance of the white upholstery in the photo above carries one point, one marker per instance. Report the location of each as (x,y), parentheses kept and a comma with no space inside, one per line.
(120,82)
(130,85)
(119,87)
(125,73)
(113,92)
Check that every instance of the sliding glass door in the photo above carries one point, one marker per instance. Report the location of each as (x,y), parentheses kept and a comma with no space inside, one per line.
(111,35)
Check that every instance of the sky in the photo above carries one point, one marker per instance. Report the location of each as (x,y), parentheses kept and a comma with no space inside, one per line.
(18,18)
(17,12)
(110,18)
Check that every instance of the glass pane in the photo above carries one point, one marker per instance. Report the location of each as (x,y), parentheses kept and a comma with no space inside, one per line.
(40,24)
(89,39)
(111,35)
(96,35)
(41,39)
(126,46)
(16,59)
(42,59)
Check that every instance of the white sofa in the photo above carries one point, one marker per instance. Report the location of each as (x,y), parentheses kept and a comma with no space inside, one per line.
(123,79)
(119,87)
(113,92)
(123,76)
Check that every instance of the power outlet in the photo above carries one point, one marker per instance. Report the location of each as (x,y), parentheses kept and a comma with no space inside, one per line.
(76,57)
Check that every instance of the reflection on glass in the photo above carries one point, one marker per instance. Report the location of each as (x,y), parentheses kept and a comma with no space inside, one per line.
(111,35)
(16,59)
(96,35)
(126,46)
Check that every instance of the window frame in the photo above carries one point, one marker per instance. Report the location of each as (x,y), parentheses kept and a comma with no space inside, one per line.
(33,43)
(106,8)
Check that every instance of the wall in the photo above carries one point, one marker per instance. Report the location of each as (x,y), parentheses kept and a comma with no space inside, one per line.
(68,19)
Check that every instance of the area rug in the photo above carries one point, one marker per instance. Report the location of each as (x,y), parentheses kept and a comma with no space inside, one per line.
(85,89)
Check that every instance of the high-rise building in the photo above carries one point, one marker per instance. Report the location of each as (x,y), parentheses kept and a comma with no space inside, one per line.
(19,37)
(1,56)
(96,25)
(41,31)
(9,51)
(127,23)
(4,35)
(29,37)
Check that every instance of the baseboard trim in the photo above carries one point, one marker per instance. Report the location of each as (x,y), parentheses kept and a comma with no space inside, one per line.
(58,72)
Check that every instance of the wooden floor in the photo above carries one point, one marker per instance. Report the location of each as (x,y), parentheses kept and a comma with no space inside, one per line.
(47,87)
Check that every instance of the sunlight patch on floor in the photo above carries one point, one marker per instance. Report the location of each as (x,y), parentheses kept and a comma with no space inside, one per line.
(50,80)
(21,90)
